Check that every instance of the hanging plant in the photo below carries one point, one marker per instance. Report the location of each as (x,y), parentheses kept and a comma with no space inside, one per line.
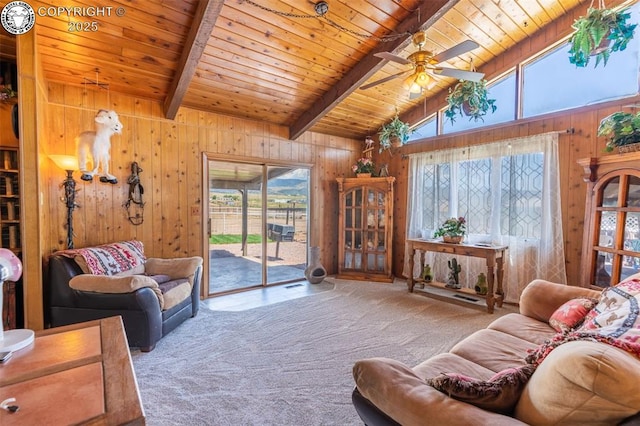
(395,133)
(469,98)
(620,129)
(599,33)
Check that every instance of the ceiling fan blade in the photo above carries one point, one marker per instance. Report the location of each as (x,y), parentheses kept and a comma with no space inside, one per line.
(383,80)
(456,50)
(459,74)
(391,57)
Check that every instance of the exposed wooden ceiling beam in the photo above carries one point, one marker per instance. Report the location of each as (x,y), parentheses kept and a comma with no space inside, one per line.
(428,13)
(203,22)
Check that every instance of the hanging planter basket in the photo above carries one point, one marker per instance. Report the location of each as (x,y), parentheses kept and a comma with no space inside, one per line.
(599,33)
(394,134)
(470,99)
(603,46)
(467,109)
(396,142)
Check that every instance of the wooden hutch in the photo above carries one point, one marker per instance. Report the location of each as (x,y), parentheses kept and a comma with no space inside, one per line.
(365,234)
(611,243)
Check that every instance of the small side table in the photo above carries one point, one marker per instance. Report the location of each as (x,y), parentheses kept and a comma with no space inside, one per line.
(494,256)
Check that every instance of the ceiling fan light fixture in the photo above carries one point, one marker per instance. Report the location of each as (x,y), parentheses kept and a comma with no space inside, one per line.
(417,81)
(423,79)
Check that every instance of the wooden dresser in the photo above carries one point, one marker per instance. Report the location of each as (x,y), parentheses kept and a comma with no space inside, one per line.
(77,374)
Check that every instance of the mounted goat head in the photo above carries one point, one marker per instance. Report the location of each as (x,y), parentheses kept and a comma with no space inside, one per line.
(97,145)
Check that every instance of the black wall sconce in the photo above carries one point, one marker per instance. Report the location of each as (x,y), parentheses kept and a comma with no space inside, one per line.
(69,163)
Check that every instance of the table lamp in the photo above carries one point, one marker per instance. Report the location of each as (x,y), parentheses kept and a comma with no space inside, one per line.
(11,270)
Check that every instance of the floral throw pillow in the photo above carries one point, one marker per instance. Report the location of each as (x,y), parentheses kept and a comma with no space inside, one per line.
(571,314)
(499,394)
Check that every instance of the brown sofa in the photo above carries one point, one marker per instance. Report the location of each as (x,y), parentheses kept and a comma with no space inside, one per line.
(579,382)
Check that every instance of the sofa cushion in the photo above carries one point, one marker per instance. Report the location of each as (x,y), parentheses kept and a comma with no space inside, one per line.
(582,382)
(500,393)
(571,314)
(523,327)
(405,397)
(115,284)
(174,292)
(493,350)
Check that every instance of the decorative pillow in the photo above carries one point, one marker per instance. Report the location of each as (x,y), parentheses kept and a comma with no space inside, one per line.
(571,314)
(118,284)
(499,394)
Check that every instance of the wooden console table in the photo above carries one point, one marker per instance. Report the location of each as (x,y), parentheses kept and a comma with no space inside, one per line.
(77,374)
(494,256)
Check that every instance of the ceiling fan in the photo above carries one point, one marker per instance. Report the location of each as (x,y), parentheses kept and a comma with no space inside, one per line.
(424,65)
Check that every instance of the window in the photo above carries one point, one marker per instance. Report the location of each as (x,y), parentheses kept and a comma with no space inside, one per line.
(509,187)
(425,129)
(550,72)
(573,86)
(509,194)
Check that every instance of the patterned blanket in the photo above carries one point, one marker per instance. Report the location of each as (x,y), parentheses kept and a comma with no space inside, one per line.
(615,320)
(109,259)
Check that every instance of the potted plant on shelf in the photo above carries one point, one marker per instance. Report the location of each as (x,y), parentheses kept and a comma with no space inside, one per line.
(469,98)
(6,92)
(396,133)
(364,167)
(622,130)
(599,33)
(452,230)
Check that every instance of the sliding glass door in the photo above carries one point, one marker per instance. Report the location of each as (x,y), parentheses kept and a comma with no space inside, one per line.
(257,224)
(287,206)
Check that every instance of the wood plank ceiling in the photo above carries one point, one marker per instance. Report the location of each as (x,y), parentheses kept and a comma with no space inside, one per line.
(277,60)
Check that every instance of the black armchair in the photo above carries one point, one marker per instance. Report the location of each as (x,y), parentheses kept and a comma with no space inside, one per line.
(145,321)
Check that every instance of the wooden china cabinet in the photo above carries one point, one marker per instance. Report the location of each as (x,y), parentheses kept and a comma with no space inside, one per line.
(611,243)
(365,234)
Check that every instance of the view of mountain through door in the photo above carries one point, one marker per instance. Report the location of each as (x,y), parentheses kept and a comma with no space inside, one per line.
(257,225)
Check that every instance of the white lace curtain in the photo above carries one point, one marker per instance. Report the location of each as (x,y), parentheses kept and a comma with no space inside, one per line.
(508,191)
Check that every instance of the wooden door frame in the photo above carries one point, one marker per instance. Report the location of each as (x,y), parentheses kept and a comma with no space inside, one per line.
(210,156)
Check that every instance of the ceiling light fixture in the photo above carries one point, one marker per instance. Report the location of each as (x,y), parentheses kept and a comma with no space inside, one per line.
(321,8)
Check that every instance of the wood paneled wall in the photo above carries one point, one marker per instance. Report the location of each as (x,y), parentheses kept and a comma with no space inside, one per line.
(170,155)
(7,138)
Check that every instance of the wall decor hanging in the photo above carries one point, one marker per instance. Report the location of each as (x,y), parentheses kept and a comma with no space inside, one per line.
(135,205)
(97,146)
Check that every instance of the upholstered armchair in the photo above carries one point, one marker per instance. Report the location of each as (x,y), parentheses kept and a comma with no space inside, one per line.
(152,295)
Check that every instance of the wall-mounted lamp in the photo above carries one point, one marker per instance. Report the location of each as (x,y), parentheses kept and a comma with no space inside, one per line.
(68,163)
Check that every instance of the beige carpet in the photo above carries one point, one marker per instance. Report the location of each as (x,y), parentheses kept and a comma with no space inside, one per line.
(290,363)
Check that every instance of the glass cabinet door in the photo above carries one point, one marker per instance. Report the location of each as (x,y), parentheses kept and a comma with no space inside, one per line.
(617,248)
